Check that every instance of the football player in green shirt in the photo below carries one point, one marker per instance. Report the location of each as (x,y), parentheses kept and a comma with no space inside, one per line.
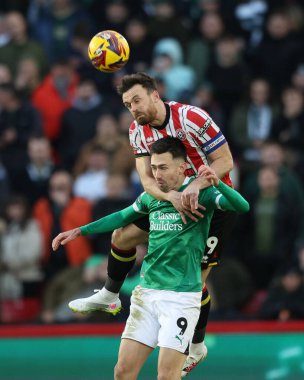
(165,305)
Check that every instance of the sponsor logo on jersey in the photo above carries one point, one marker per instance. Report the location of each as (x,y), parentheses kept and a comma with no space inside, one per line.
(214,143)
(165,226)
(205,127)
(180,339)
(180,134)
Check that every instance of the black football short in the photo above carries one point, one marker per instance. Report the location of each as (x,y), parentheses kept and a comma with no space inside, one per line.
(221,226)
(143,223)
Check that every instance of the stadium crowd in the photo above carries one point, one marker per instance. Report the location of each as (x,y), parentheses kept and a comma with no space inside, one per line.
(65,157)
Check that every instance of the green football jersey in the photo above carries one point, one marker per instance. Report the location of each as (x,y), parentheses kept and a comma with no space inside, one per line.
(173,261)
(175,249)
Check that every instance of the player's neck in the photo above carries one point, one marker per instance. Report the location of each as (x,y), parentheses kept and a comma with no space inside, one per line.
(163,113)
(180,182)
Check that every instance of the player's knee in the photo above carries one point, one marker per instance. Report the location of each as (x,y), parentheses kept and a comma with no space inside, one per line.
(119,238)
(122,371)
(166,374)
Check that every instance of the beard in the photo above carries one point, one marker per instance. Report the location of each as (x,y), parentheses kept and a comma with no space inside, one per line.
(146,118)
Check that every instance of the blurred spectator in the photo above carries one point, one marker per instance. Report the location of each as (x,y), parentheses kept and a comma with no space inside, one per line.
(268,234)
(21,251)
(201,51)
(58,291)
(5,74)
(28,77)
(32,178)
(203,98)
(117,197)
(19,120)
(90,181)
(140,43)
(4,34)
(274,157)
(285,299)
(5,186)
(251,15)
(297,78)
(115,144)
(228,74)
(166,23)
(283,48)
(20,45)
(79,121)
(251,122)
(199,8)
(113,14)
(62,211)
(52,23)
(168,64)
(230,286)
(125,119)
(54,96)
(288,128)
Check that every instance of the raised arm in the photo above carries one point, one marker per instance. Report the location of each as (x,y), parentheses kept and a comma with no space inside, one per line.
(107,224)
(221,162)
(228,198)
(231,199)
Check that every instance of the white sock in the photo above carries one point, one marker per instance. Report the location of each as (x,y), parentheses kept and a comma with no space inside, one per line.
(196,348)
(107,295)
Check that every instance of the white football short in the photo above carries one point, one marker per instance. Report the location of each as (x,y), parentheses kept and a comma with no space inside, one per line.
(163,318)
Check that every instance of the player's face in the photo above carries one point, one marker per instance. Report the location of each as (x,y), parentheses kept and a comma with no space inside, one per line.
(141,104)
(167,171)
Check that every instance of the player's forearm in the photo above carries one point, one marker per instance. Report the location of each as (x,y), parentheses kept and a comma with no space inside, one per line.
(111,222)
(221,166)
(232,200)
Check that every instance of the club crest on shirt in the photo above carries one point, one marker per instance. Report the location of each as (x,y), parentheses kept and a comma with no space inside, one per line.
(150,140)
(180,134)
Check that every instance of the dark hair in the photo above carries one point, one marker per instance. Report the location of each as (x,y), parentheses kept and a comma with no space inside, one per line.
(18,200)
(128,81)
(169,145)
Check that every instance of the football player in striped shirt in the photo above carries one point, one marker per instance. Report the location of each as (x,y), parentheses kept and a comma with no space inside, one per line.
(205,145)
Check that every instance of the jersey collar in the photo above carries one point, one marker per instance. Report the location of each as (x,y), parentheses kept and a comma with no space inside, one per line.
(164,124)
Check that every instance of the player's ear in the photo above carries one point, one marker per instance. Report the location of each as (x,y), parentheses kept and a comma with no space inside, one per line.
(155,96)
(182,167)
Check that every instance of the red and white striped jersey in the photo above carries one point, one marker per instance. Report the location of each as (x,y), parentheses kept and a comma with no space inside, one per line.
(193,126)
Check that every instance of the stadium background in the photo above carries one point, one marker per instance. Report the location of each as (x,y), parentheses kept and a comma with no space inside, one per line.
(220,55)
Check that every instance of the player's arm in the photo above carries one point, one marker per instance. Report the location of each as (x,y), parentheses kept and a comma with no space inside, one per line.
(143,166)
(228,198)
(107,224)
(220,160)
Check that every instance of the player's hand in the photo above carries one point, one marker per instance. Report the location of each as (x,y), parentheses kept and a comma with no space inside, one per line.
(208,173)
(176,199)
(65,237)
(190,199)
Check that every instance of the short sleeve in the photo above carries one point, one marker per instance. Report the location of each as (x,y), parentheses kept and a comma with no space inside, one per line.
(136,141)
(141,204)
(205,130)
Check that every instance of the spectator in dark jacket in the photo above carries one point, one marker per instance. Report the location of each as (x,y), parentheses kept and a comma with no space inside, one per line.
(285,299)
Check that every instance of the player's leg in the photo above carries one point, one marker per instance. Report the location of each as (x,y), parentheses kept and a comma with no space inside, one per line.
(221,226)
(170,364)
(139,337)
(178,314)
(120,261)
(132,356)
